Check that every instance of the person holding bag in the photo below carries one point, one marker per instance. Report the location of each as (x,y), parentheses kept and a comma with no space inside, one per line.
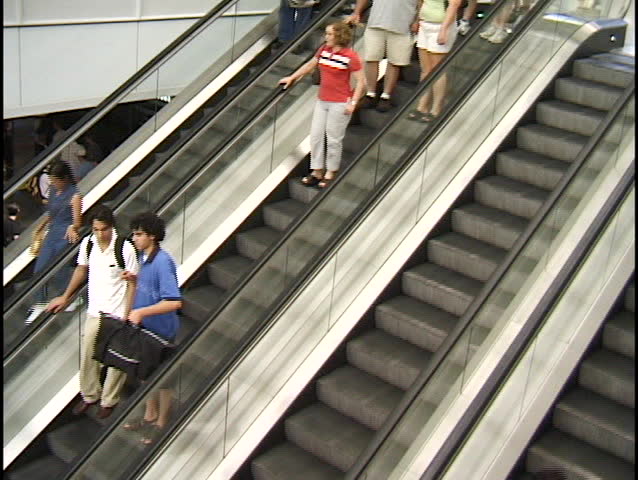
(337,63)
(102,258)
(157,299)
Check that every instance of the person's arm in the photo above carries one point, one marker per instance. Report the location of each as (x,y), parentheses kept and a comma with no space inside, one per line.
(305,69)
(450,18)
(358,11)
(163,306)
(78,279)
(359,90)
(72,234)
(131,267)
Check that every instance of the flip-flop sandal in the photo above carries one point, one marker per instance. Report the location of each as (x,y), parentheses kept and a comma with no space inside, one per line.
(415,115)
(423,117)
(310,180)
(137,424)
(151,435)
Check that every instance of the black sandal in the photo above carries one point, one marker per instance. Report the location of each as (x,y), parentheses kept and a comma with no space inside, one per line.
(310,180)
(137,424)
(151,434)
(325,182)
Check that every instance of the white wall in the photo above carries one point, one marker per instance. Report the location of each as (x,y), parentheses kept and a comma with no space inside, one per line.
(50,67)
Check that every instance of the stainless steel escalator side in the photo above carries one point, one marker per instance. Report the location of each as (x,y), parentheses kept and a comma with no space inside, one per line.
(546,362)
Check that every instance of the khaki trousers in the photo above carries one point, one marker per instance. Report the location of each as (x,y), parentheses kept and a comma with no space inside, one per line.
(90,386)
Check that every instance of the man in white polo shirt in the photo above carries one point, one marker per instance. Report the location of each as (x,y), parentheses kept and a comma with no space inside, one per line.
(102,259)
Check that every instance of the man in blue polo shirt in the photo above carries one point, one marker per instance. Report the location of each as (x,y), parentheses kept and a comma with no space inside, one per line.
(157,299)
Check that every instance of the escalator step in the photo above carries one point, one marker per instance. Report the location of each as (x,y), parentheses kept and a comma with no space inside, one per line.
(601,70)
(465,255)
(300,192)
(391,359)
(619,334)
(569,116)
(225,272)
(597,421)
(630,298)
(254,242)
(44,468)
(279,215)
(586,93)
(440,287)
(509,195)
(413,321)
(330,436)
(199,302)
(488,225)
(287,461)
(550,142)
(610,375)
(73,438)
(578,459)
(534,169)
(358,395)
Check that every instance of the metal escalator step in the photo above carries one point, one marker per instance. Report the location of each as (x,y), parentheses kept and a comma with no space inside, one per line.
(601,70)
(279,215)
(630,298)
(509,195)
(550,142)
(610,375)
(465,255)
(393,360)
(440,287)
(532,168)
(44,468)
(72,439)
(235,324)
(416,322)
(287,461)
(617,58)
(619,334)
(225,272)
(569,116)
(254,242)
(300,192)
(597,421)
(586,93)
(577,459)
(327,434)
(199,302)
(358,395)
(357,138)
(488,225)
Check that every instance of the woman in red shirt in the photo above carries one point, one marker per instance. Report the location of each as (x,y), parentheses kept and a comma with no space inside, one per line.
(337,64)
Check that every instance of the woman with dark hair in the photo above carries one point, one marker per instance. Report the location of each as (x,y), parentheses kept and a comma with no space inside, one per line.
(63,219)
(337,63)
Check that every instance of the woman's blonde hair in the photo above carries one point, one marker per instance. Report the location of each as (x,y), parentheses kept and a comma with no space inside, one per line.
(342,32)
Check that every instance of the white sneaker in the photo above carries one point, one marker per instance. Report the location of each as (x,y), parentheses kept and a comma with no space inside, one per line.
(499,36)
(464,27)
(35,313)
(488,32)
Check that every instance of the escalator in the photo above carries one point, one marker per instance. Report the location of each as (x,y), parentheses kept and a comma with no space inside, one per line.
(68,446)
(590,431)
(326,430)
(173,126)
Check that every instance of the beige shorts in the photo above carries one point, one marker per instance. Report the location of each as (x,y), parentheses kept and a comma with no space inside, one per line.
(428,34)
(380,44)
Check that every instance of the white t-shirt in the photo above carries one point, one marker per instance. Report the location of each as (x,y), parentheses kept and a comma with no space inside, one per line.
(107,291)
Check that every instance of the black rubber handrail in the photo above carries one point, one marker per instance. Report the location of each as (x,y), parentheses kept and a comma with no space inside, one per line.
(490,286)
(90,118)
(219,109)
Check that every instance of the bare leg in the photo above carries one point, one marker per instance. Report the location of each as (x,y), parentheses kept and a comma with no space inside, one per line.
(372,73)
(440,86)
(426,67)
(470,10)
(152,408)
(391,78)
(165,402)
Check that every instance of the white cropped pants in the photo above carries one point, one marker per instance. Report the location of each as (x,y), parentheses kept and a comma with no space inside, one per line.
(329,122)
